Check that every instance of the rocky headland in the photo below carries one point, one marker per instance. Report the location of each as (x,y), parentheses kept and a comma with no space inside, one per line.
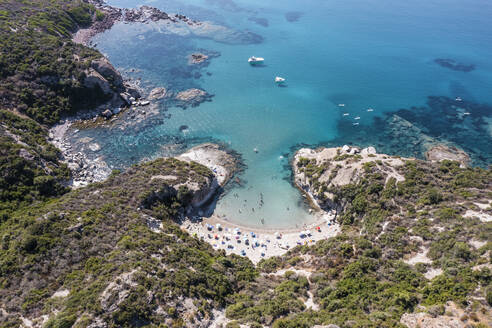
(442,152)
(316,171)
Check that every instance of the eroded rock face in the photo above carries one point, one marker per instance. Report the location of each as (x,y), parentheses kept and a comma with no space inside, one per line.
(103,75)
(442,152)
(95,80)
(104,67)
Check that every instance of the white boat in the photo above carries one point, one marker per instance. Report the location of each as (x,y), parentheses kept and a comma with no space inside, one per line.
(341,105)
(357,123)
(256,60)
(357,118)
(370,110)
(466,113)
(458,99)
(279,79)
(346,114)
(255,150)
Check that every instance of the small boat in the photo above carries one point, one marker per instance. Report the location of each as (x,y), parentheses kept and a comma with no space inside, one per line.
(255,150)
(357,123)
(466,113)
(357,118)
(346,114)
(458,99)
(255,60)
(279,80)
(341,105)
(370,110)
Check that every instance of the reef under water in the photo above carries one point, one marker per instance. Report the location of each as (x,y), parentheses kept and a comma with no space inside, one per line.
(412,131)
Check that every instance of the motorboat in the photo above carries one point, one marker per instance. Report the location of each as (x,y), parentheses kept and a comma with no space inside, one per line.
(357,123)
(341,105)
(357,118)
(346,114)
(255,60)
(370,110)
(279,80)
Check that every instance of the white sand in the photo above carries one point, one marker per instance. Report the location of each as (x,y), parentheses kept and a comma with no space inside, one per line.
(269,244)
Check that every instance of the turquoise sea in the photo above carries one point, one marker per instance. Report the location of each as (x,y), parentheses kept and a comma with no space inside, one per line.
(376,54)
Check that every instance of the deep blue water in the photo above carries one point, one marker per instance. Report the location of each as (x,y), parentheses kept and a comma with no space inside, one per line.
(362,53)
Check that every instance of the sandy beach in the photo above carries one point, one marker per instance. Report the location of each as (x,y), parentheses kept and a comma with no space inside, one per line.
(257,243)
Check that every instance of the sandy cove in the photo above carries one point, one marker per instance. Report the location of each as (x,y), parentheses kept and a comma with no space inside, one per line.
(271,242)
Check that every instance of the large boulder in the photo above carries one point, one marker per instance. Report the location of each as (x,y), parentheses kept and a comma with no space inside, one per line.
(104,67)
(158,93)
(95,80)
(192,97)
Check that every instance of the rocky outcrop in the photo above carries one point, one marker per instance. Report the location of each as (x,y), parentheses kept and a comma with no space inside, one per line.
(219,161)
(416,320)
(454,65)
(192,97)
(335,167)
(104,76)
(197,58)
(159,93)
(104,67)
(145,14)
(442,152)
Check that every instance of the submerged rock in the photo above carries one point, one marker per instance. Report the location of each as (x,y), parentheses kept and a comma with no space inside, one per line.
(454,65)
(293,16)
(260,21)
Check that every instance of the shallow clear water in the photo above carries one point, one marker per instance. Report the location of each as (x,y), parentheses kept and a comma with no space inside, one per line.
(362,53)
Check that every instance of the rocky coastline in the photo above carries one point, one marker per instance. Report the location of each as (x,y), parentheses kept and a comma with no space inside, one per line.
(336,167)
(112,15)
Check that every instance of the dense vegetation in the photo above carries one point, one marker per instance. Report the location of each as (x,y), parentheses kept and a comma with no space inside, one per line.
(41,77)
(359,278)
(41,69)
(95,243)
(89,256)
(29,165)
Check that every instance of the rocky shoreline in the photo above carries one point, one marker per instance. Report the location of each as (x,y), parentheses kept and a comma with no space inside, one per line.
(112,15)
